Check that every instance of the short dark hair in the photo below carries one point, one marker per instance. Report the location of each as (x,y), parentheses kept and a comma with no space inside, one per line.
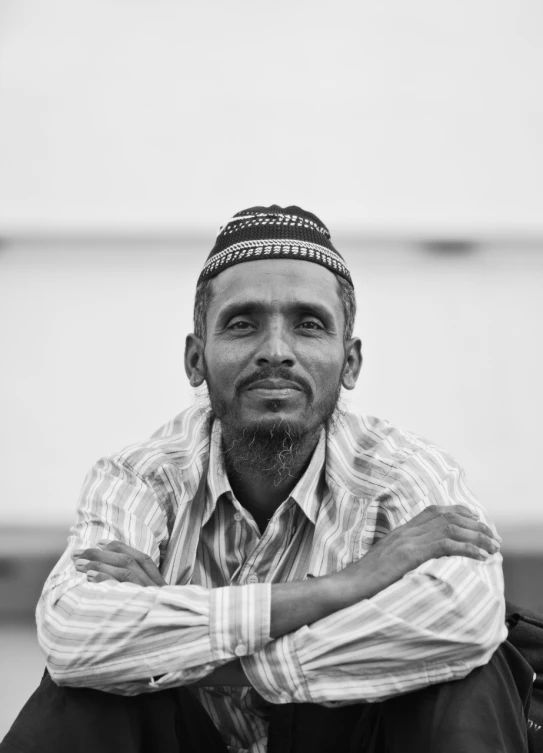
(204,294)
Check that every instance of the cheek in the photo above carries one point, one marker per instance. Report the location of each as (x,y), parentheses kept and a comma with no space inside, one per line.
(222,368)
(325,371)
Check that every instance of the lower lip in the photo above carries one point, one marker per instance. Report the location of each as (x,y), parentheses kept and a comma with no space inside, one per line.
(275,393)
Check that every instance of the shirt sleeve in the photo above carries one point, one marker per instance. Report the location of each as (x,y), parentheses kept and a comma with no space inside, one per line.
(129,639)
(437,623)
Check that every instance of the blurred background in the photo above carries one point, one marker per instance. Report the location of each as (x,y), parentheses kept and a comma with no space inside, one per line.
(129,131)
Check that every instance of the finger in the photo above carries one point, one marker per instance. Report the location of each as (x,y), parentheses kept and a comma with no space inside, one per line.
(450,535)
(115,574)
(467,512)
(441,523)
(450,547)
(107,557)
(93,576)
(435,512)
(455,514)
(451,518)
(480,539)
(133,574)
(121,555)
(78,551)
(143,560)
(85,553)
(443,529)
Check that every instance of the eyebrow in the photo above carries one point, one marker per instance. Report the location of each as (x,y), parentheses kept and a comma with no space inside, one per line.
(250,306)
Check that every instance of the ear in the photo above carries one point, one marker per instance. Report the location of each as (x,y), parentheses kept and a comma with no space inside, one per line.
(194,360)
(353,363)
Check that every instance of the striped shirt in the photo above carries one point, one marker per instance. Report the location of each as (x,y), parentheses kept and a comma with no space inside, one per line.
(170,498)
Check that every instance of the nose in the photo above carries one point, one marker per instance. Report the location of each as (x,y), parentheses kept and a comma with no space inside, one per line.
(275,348)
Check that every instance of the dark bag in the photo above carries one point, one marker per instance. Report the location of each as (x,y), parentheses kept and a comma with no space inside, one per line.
(526,635)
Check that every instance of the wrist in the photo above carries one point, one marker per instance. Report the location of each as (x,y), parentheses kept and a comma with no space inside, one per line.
(355,583)
(338,591)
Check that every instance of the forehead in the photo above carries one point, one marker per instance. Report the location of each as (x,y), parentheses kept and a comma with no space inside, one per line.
(277,281)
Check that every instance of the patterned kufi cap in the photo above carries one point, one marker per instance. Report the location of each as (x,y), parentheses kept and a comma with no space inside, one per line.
(273,233)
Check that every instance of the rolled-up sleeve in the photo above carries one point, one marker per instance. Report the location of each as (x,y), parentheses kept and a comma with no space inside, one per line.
(438,623)
(129,639)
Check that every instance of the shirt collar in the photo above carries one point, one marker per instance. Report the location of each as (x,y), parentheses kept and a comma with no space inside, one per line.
(307,493)
(217,479)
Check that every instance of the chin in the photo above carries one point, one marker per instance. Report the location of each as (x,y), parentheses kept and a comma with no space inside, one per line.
(277,420)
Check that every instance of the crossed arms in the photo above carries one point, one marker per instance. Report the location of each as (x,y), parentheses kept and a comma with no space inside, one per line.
(422,606)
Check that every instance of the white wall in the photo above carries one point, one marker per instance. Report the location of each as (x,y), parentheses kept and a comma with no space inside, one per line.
(92,339)
(388,115)
(157,119)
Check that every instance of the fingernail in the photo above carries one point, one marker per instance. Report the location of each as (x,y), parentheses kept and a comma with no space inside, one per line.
(102,543)
(483,554)
(91,575)
(77,552)
(81,563)
(498,538)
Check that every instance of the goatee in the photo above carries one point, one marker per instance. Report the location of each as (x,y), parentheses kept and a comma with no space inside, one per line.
(268,452)
(271,450)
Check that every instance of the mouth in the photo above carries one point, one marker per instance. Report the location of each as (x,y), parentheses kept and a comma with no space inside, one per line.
(274,389)
(273,385)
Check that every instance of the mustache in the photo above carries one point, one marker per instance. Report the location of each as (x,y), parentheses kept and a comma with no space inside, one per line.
(280,372)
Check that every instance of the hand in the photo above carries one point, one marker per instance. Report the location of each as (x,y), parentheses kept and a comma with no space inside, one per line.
(435,532)
(113,560)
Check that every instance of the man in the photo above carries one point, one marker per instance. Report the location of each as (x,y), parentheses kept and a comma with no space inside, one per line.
(314,580)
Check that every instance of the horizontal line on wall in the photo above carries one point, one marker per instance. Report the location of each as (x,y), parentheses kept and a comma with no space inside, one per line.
(18,540)
(432,238)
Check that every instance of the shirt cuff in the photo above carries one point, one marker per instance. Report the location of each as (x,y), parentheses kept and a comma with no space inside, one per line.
(276,672)
(239,620)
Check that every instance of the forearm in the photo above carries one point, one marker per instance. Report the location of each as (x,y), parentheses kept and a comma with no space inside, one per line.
(122,637)
(300,603)
(435,625)
(293,605)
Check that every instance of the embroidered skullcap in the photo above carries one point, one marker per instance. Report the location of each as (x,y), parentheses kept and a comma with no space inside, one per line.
(273,233)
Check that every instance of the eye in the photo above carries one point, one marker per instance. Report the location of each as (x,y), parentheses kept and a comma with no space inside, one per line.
(311,324)
(240,325)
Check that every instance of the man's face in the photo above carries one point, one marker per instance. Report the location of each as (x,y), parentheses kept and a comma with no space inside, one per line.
(275,349)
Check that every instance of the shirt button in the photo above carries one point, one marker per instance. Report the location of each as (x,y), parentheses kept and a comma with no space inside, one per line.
(238,516)
(240,650)
(252,579)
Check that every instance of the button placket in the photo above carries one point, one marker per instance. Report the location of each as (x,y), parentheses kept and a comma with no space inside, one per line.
(278,531)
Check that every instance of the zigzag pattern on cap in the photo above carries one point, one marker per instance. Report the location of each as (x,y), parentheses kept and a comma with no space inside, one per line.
(273,233)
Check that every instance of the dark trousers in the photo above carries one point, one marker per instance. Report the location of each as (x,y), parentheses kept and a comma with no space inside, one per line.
(486,712)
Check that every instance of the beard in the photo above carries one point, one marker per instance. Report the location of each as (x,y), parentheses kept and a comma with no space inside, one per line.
(272,448)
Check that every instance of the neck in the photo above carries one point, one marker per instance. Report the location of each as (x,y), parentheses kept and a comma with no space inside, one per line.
(262,476)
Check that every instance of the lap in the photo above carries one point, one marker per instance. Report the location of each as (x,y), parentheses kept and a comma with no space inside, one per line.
(73,720)
(485,712)
(482,713)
